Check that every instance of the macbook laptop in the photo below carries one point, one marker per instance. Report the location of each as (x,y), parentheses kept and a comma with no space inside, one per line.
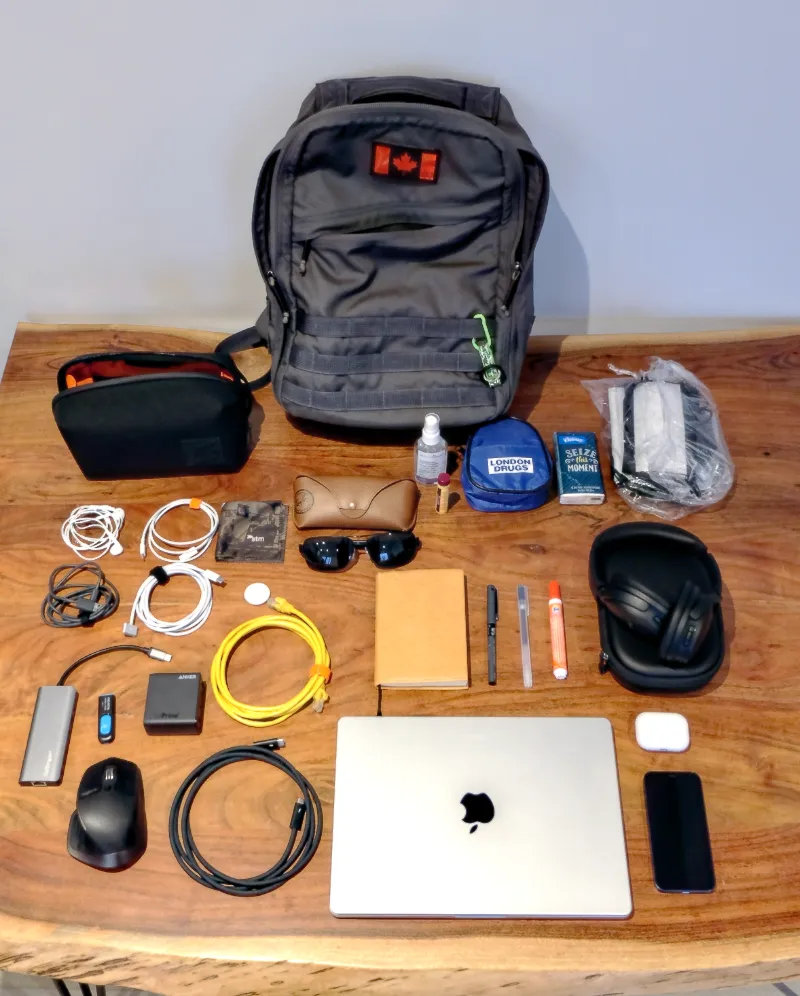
(477,817)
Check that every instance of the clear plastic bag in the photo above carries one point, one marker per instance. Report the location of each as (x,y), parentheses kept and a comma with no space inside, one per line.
(668,453)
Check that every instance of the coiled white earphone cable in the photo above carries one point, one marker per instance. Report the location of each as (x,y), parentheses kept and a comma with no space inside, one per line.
(181,550)
(91,531)
(191,622)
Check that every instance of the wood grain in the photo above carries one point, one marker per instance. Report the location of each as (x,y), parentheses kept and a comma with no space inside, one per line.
(153,928)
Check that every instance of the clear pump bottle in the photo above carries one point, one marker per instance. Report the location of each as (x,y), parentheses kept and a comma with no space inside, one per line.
(430,452)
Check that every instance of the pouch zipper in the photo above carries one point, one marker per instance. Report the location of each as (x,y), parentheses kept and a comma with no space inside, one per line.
(115,381)
(218,358)
(501,491)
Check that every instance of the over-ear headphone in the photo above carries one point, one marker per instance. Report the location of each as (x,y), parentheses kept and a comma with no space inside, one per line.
(679,628)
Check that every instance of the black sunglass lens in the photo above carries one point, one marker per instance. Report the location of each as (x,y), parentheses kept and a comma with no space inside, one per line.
(392,549)
(332,553)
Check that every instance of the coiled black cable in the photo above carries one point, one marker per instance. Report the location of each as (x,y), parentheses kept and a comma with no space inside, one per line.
(305,826)
(73,599)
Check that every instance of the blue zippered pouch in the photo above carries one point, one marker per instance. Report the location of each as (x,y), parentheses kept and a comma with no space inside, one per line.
(507,468)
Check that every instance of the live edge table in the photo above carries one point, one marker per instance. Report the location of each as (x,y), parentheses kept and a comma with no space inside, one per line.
(151,927)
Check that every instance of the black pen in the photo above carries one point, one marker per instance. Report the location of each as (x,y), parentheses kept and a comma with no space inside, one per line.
(491,631)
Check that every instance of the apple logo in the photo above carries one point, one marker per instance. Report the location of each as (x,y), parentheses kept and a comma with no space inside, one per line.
(478,809)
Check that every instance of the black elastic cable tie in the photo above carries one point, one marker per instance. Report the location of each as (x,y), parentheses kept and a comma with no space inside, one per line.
(160,575)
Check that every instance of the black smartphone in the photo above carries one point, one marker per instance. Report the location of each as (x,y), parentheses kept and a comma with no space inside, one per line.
(679,842)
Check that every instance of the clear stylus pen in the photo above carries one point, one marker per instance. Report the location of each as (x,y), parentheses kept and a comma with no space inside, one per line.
(524,638)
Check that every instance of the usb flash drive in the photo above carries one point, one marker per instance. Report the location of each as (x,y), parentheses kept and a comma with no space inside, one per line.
(106,716)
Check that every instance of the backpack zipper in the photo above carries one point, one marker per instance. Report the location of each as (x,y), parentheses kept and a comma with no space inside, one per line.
(304,257)
(308,244)
(516,273)
(279,297)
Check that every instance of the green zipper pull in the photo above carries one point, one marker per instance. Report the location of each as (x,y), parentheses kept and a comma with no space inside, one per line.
(492,373)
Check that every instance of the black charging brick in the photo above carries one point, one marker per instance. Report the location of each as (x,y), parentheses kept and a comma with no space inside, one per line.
(174,704)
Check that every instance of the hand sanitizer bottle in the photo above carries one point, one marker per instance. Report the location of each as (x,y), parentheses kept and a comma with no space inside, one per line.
(430,452)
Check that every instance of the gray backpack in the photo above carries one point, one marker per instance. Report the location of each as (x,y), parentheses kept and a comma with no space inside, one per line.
(395,226)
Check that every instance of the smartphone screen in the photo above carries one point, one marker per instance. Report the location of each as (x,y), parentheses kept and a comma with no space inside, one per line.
(679,844)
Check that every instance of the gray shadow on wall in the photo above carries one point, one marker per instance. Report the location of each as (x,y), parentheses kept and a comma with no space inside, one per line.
(561,282)
(254,131)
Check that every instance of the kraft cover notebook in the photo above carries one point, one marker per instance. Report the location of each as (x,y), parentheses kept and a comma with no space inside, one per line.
(421,629)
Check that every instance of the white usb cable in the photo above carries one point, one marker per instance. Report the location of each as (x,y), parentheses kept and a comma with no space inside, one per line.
(181,550)
(93,530)
(191,622)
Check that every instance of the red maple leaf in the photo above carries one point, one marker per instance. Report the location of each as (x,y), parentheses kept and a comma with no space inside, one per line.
(405,163)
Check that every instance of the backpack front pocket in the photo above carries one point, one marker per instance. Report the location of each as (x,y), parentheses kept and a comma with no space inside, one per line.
(341,365)
(398,268)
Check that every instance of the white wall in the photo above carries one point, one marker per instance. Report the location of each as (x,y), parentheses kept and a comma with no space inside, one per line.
(132,132)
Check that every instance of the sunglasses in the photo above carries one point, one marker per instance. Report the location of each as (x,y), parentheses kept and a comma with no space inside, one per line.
(336,553)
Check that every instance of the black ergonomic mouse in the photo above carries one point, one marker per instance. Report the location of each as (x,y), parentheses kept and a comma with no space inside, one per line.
(108,829)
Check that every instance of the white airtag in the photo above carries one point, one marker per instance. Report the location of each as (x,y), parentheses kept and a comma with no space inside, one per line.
(256,593)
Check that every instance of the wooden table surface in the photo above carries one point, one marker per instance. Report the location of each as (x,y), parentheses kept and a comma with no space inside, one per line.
(153,928)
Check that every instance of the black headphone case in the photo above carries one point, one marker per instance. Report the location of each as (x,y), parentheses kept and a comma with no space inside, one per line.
(660,557)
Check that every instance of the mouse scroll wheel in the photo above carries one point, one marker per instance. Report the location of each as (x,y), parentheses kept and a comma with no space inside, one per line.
(109,776)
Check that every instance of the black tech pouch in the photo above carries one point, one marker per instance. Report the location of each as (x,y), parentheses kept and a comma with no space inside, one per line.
(138,414)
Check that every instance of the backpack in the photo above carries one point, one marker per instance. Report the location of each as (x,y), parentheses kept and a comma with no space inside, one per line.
(394,226)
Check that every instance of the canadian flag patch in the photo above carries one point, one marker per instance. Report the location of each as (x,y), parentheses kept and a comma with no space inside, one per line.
(402,163)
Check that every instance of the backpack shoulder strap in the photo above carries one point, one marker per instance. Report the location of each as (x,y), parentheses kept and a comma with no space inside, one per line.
(249,338)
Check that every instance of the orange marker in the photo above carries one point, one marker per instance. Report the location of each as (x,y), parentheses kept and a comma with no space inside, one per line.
(558,636)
